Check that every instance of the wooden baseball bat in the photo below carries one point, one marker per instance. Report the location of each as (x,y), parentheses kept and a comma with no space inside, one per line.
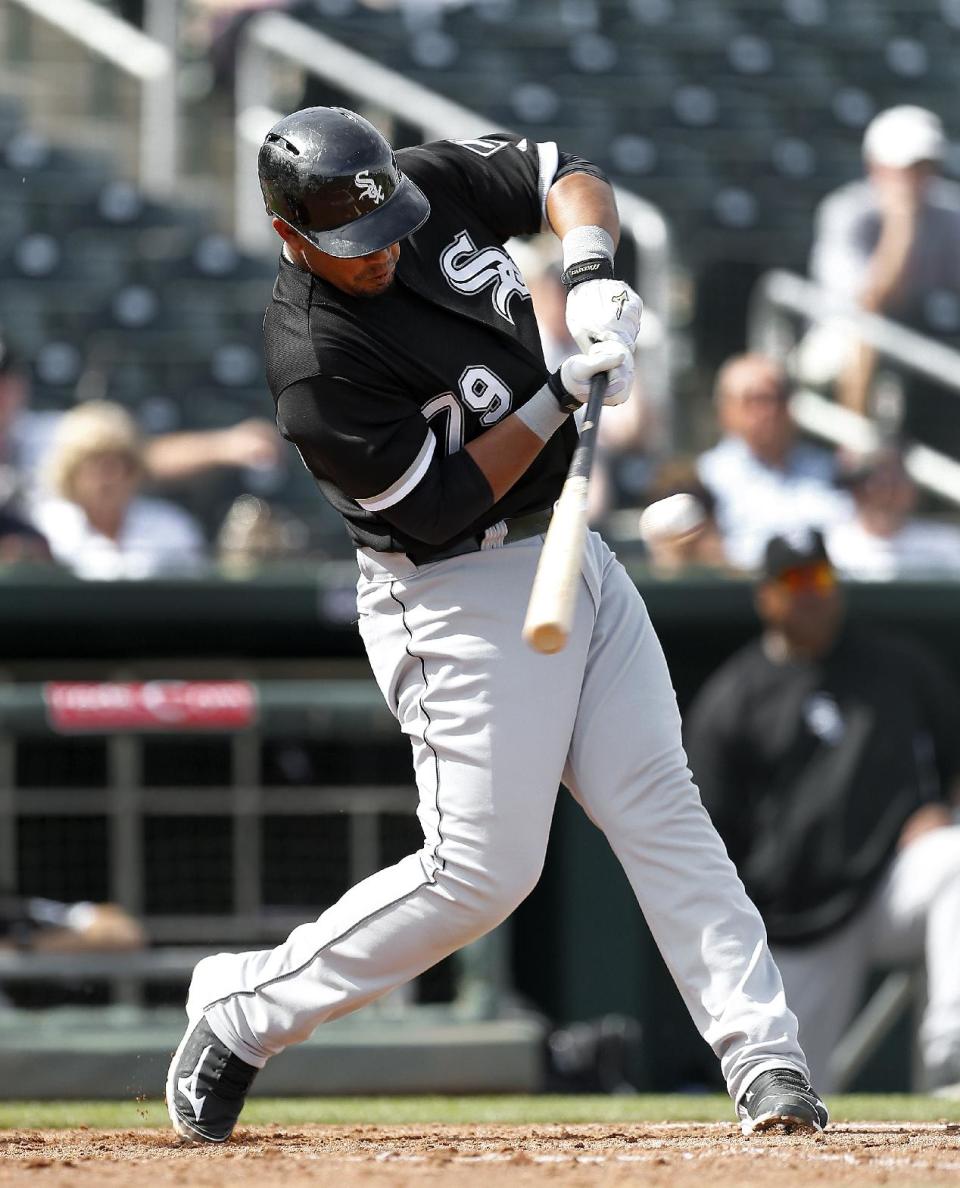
(554,592)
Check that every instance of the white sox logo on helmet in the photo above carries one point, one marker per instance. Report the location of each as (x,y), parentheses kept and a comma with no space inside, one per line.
(470,271)
(367,186)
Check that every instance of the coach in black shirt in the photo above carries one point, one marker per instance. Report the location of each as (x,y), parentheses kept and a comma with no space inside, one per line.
(828,757)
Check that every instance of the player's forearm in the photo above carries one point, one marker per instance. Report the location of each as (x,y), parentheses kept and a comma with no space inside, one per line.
(504,453)
(581,200)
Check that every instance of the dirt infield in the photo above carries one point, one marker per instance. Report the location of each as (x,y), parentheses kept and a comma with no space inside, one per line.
(714,1155)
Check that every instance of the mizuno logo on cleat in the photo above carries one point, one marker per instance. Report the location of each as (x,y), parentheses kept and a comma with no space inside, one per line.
(188,1085)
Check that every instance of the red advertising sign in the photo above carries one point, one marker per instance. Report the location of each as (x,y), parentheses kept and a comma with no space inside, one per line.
(103,706)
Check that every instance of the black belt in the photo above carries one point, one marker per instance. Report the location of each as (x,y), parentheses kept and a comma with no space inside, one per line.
(517,528)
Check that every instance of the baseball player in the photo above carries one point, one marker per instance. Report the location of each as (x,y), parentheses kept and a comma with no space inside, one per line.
(404,359)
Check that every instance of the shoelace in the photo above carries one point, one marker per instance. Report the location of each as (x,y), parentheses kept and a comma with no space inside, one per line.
(785,1080)
(788,1080)
(234,1079)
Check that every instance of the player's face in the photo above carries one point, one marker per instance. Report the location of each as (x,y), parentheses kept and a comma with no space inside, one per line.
(361,276)
(805,604)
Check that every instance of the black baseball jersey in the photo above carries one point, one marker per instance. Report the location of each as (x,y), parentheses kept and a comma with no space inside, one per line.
(379,394)
(810,769)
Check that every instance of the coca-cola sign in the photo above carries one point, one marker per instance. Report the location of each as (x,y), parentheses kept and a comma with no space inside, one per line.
(103,706)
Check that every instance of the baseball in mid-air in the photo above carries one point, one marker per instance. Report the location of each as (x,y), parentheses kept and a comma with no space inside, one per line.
(673,518)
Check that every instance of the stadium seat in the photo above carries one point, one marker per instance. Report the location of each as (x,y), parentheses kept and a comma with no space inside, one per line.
(32,168)
(11,117)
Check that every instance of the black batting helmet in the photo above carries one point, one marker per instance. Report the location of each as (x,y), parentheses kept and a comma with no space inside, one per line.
(330,175)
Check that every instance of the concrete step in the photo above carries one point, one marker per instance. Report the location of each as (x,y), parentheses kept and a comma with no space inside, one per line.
(117,1053)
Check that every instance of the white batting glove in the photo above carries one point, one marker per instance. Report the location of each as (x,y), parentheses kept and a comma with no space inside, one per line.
(603,311)
(577,371)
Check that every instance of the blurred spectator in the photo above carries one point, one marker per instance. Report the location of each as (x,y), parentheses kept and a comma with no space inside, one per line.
(541,271)
(253,532)
(763,479)
(622,433)
(20,542)
(885,540)
(701,550)
(46,925)
(217,26)
(828,756)
(253,444)
(98,524)
(891,243)
(414,7)
(26,437)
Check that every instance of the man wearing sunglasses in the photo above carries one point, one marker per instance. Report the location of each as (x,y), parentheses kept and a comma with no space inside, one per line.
(828,756)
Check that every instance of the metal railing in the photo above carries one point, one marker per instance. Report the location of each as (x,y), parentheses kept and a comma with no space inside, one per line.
(379,89)
(900,991)
(123,716)
(140,57)
(781,293)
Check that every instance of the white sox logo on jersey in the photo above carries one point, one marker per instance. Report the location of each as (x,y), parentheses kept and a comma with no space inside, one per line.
(367,186)
(470,271)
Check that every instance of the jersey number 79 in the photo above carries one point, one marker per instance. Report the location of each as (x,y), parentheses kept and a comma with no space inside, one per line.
(481,391)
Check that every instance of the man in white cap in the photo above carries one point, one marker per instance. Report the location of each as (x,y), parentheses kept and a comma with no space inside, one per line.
(891,241)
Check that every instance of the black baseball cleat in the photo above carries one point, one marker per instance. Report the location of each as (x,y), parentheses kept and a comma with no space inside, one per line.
(206,1086)
(781,1097)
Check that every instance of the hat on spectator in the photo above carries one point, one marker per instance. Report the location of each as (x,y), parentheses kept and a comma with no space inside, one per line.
(903,136)
(793,550)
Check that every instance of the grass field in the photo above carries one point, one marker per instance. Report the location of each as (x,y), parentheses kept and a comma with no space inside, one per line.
(396,1111)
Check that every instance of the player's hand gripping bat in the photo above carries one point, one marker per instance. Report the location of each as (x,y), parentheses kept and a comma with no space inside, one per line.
(554,592)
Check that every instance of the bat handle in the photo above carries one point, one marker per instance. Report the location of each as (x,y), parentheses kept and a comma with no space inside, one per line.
(582,460)
(552,598)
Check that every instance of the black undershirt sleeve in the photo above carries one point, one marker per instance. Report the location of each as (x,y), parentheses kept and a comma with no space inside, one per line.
(373,446)
(571,163)
(452,495)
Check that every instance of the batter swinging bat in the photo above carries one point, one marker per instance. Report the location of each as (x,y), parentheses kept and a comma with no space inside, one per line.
(554,592)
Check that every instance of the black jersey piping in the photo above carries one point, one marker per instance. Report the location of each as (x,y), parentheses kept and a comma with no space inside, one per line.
(426,714)
(427,882)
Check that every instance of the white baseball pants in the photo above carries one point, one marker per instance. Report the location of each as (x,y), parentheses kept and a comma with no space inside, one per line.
(495,727)
(914,916)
